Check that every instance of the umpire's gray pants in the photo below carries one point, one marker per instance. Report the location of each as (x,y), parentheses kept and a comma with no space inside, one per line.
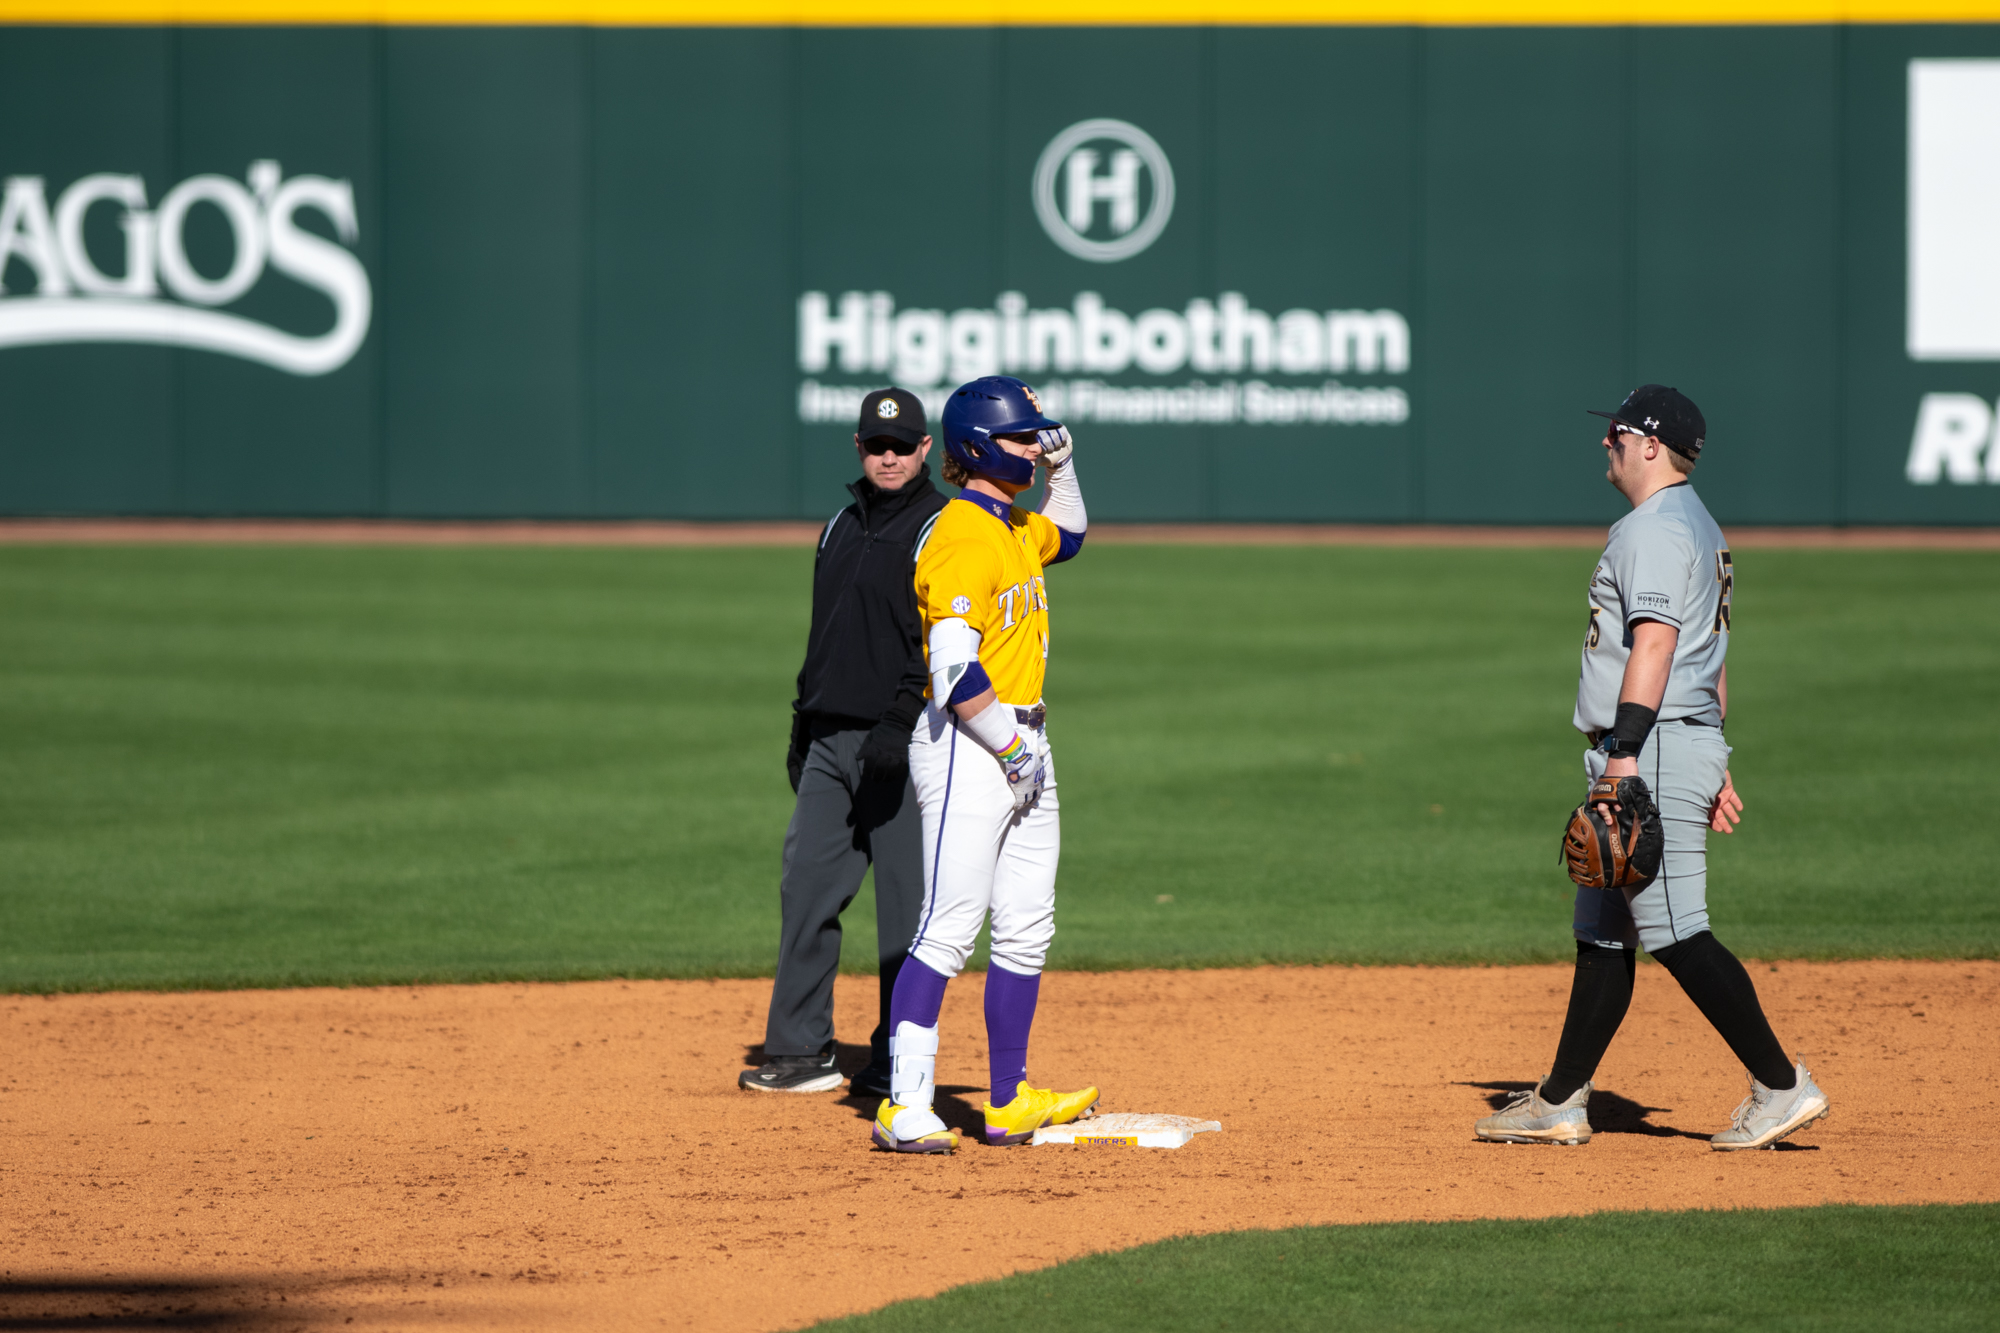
(840,824)
(1683,765)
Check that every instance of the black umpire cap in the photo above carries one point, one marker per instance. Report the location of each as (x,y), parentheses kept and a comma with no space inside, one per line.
(1657,409)
(895,413)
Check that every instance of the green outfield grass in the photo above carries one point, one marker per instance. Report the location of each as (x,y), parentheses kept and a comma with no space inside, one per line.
(256,766)
(1817,1269)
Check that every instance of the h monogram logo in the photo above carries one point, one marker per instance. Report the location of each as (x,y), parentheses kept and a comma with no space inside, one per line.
(1108,162)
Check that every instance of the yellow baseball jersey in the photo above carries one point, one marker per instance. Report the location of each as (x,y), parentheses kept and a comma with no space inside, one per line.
(987,571)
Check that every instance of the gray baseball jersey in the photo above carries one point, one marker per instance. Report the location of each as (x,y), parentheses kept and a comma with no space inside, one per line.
(1665,561)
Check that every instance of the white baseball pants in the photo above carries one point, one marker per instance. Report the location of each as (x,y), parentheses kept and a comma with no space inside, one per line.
(981,857)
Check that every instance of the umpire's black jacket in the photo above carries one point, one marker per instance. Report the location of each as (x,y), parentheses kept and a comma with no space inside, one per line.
(867,647)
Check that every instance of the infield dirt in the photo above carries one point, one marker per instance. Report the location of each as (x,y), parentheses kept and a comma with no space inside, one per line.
(518,1156)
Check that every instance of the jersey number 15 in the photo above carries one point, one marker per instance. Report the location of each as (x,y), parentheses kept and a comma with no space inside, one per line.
(1725,574)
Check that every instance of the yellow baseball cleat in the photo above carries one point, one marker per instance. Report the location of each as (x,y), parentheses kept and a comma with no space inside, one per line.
(1017,1121)
(912,1129)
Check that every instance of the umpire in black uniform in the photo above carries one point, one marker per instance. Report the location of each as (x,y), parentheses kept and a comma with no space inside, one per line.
(860,692)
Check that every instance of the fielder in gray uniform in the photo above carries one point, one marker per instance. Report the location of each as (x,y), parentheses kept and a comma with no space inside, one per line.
(1652,698)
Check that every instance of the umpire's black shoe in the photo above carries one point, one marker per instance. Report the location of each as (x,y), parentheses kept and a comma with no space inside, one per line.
(871,1082)
(793,1073)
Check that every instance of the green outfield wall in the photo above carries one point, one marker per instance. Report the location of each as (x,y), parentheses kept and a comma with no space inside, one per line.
(1343,273)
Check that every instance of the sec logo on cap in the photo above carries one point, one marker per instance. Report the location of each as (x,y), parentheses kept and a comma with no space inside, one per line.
(887,409)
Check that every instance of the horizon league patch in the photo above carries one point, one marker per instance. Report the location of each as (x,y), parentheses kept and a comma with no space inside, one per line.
(1654,601)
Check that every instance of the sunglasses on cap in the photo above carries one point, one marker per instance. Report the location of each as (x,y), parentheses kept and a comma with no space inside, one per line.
(882,444)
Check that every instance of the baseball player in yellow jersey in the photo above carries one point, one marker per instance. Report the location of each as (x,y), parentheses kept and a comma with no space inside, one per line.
(980,761)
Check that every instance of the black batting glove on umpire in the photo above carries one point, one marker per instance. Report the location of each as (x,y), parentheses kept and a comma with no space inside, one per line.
(795,759)
(885,754)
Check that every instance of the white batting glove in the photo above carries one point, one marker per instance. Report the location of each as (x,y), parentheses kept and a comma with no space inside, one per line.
(1026,768)
(1056,446)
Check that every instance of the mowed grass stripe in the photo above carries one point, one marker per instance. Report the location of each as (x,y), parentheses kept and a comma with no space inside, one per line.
(276,766)
(1832,1268)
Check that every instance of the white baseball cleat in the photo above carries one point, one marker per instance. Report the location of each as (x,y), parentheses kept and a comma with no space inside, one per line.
(1529,1119)
(1767,1116)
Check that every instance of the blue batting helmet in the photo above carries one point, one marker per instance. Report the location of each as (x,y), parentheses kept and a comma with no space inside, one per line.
(992,405)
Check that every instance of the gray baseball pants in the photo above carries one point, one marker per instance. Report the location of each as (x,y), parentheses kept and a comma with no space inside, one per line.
(841,823)
(1682,764)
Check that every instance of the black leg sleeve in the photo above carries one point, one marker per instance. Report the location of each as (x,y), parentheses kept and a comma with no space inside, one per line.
(1598,999)
(1723,991)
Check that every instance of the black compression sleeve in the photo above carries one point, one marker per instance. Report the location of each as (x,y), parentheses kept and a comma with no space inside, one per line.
(1599,995)
(1628,733)
(1723,991)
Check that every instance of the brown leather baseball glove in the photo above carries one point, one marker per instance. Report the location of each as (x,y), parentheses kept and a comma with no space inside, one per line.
(1622,852)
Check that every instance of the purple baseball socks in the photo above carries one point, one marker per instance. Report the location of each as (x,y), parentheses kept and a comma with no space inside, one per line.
(1010,1013)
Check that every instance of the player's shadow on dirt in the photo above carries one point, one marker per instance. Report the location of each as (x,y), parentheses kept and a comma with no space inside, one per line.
(852,1057)
(242,1303)
(135,1303)
(1609,1112)
(952,1106)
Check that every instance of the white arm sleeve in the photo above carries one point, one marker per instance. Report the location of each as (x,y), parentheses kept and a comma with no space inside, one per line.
(954,647)
(1064,504)
(993,727)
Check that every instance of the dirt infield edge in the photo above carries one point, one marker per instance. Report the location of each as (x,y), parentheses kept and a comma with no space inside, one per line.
(520,1157)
